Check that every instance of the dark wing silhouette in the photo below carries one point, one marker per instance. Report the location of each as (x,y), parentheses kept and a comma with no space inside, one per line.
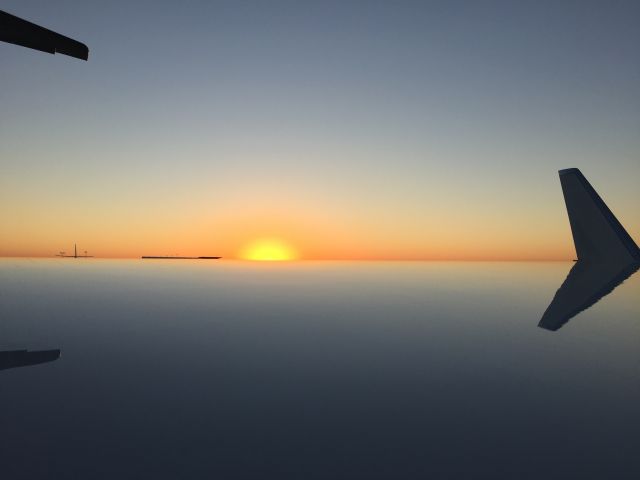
(586,283)
(20,32)
(597,233)
(607,255)
(24,358)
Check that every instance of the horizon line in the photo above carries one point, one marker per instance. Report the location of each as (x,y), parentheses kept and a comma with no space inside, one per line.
(372,259)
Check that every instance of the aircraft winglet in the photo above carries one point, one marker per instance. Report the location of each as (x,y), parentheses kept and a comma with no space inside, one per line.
(607,255)
(597,233)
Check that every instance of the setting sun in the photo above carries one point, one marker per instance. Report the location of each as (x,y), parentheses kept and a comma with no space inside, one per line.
(268,249)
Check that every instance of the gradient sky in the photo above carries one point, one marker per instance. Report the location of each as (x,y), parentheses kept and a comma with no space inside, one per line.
(350,129)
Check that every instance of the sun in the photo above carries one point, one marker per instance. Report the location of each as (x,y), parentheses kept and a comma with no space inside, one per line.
(268,250)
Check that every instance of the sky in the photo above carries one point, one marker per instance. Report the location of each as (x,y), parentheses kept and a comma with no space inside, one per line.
(345,130)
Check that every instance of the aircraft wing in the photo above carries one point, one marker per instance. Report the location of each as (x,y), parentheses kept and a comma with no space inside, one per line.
(24,358)
(20,32)
(607,255)
(586,283)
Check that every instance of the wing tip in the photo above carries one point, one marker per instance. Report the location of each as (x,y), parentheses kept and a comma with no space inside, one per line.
(21,32)
(78,50)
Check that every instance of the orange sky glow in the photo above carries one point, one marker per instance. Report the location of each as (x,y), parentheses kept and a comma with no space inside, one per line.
(399,142)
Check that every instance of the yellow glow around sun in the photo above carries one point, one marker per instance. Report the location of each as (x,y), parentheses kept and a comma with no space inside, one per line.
(268,250)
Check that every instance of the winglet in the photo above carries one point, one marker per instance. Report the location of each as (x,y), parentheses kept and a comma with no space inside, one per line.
(26,34)
(597,233)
